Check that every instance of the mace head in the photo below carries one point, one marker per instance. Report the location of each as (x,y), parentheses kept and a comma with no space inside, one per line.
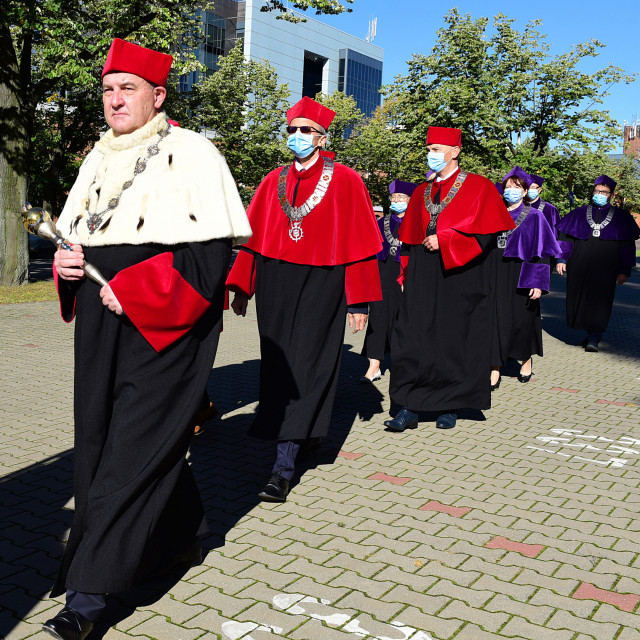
(33,217)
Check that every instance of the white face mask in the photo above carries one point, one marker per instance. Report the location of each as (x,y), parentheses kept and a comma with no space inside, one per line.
(513,194)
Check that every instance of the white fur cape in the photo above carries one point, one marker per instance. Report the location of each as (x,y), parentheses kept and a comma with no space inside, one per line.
(185,194)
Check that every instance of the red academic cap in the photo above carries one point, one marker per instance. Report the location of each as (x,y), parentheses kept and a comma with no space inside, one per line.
(126,57)
(312,110)
(444,135)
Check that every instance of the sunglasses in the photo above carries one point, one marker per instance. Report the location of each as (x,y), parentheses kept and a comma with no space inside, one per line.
(304,129)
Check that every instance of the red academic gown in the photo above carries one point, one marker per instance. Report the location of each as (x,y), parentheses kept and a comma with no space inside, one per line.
(302,291)
(138,382)
(441,346)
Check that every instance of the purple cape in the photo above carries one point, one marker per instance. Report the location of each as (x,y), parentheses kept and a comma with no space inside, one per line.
(534,238)
(394,223)
(550,212)
(621,227)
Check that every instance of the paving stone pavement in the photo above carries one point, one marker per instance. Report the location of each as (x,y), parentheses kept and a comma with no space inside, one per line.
(521,523)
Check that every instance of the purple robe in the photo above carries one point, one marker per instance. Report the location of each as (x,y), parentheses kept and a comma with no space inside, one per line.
(533,239)
(550,213)
(394,224)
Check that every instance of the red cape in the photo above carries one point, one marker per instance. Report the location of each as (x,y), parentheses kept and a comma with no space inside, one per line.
(341,229)
(477,209)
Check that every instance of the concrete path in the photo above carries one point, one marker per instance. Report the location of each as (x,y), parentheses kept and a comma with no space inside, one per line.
(523,524)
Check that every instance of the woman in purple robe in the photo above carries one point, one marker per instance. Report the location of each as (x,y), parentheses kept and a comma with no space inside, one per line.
(382,314)
(603,254)
(523,275)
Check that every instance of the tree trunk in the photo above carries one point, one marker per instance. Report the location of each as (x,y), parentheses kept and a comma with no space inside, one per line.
(14,144)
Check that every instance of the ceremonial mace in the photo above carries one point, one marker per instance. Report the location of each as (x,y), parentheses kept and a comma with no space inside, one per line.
(38,222)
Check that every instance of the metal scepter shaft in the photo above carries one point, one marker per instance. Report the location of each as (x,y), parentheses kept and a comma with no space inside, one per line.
(38,222)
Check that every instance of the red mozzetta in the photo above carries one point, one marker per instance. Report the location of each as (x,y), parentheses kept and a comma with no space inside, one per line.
(476,209)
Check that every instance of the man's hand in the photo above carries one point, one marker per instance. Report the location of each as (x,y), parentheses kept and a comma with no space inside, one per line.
(431,242)
(534,294)
(109,300)
(357,321)
(622,278)
(561,268)
(69,264)
(239,304)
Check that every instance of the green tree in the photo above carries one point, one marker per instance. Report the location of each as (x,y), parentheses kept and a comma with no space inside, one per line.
(515,103)
(52,52)
(243,108)
(328,7)
(347,117)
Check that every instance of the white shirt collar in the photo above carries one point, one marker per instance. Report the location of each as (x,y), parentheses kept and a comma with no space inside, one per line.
(300,168)
(439,179)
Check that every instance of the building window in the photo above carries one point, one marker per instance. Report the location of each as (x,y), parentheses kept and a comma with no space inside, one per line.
(361,77)
(312,74)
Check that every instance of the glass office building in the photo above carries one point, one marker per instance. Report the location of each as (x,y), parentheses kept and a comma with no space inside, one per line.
(311,57)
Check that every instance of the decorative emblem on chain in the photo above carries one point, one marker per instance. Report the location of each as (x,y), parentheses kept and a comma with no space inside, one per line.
(436,209)
(297,214)
(94,220)
(504,236)
(594,225)
(394,243)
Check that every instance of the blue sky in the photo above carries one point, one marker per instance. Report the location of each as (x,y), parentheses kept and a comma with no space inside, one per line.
(410,26)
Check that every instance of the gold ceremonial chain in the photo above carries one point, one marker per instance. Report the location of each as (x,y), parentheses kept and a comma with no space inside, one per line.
(436,209)
(94,220)
(297,214)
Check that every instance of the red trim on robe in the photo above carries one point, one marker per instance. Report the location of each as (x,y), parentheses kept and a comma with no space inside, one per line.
(477,209)
(67,299)
(242,277)
(404,263)
(362,282)
(158,300)
(340,230)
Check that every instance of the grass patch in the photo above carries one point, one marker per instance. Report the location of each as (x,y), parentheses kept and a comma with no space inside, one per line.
(31,292)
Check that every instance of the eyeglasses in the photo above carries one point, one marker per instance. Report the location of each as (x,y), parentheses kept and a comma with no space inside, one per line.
(304,129)
(604,193)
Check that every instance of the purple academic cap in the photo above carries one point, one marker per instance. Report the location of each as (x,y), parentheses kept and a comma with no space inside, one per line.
(499,187)
(536,179)
(518,172)
(400,186)
(606,180)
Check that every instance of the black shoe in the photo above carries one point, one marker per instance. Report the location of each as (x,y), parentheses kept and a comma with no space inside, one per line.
(497,384)
(446,421)
(404,420)
(68,625)
(276,490)
(525,379)
(592,347)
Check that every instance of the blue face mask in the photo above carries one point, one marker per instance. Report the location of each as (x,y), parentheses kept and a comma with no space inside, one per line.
(398,207)
(301,144)
(533,193)
(600,199)
(512,195)
(436,161)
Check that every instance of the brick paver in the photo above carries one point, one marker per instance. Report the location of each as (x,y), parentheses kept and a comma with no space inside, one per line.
(522,523)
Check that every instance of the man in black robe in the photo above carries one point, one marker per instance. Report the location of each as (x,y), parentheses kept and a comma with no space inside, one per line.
(310,260)
(603,254)
(441,345)
(155,209)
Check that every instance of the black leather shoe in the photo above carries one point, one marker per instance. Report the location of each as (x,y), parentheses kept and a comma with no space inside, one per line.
(404,420)
(276,490)
(446,421)
(497,384)
(68,625)
(591,347)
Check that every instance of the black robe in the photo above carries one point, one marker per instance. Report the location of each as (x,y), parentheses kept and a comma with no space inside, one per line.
(383,313)
(301,319)
(136,501)
(441,343)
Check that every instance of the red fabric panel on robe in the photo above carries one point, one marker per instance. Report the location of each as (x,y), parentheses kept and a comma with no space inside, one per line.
(67,299)
(158,300)
(477,209)
(362,282)
(404,263)
(242,277)
(341,229)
